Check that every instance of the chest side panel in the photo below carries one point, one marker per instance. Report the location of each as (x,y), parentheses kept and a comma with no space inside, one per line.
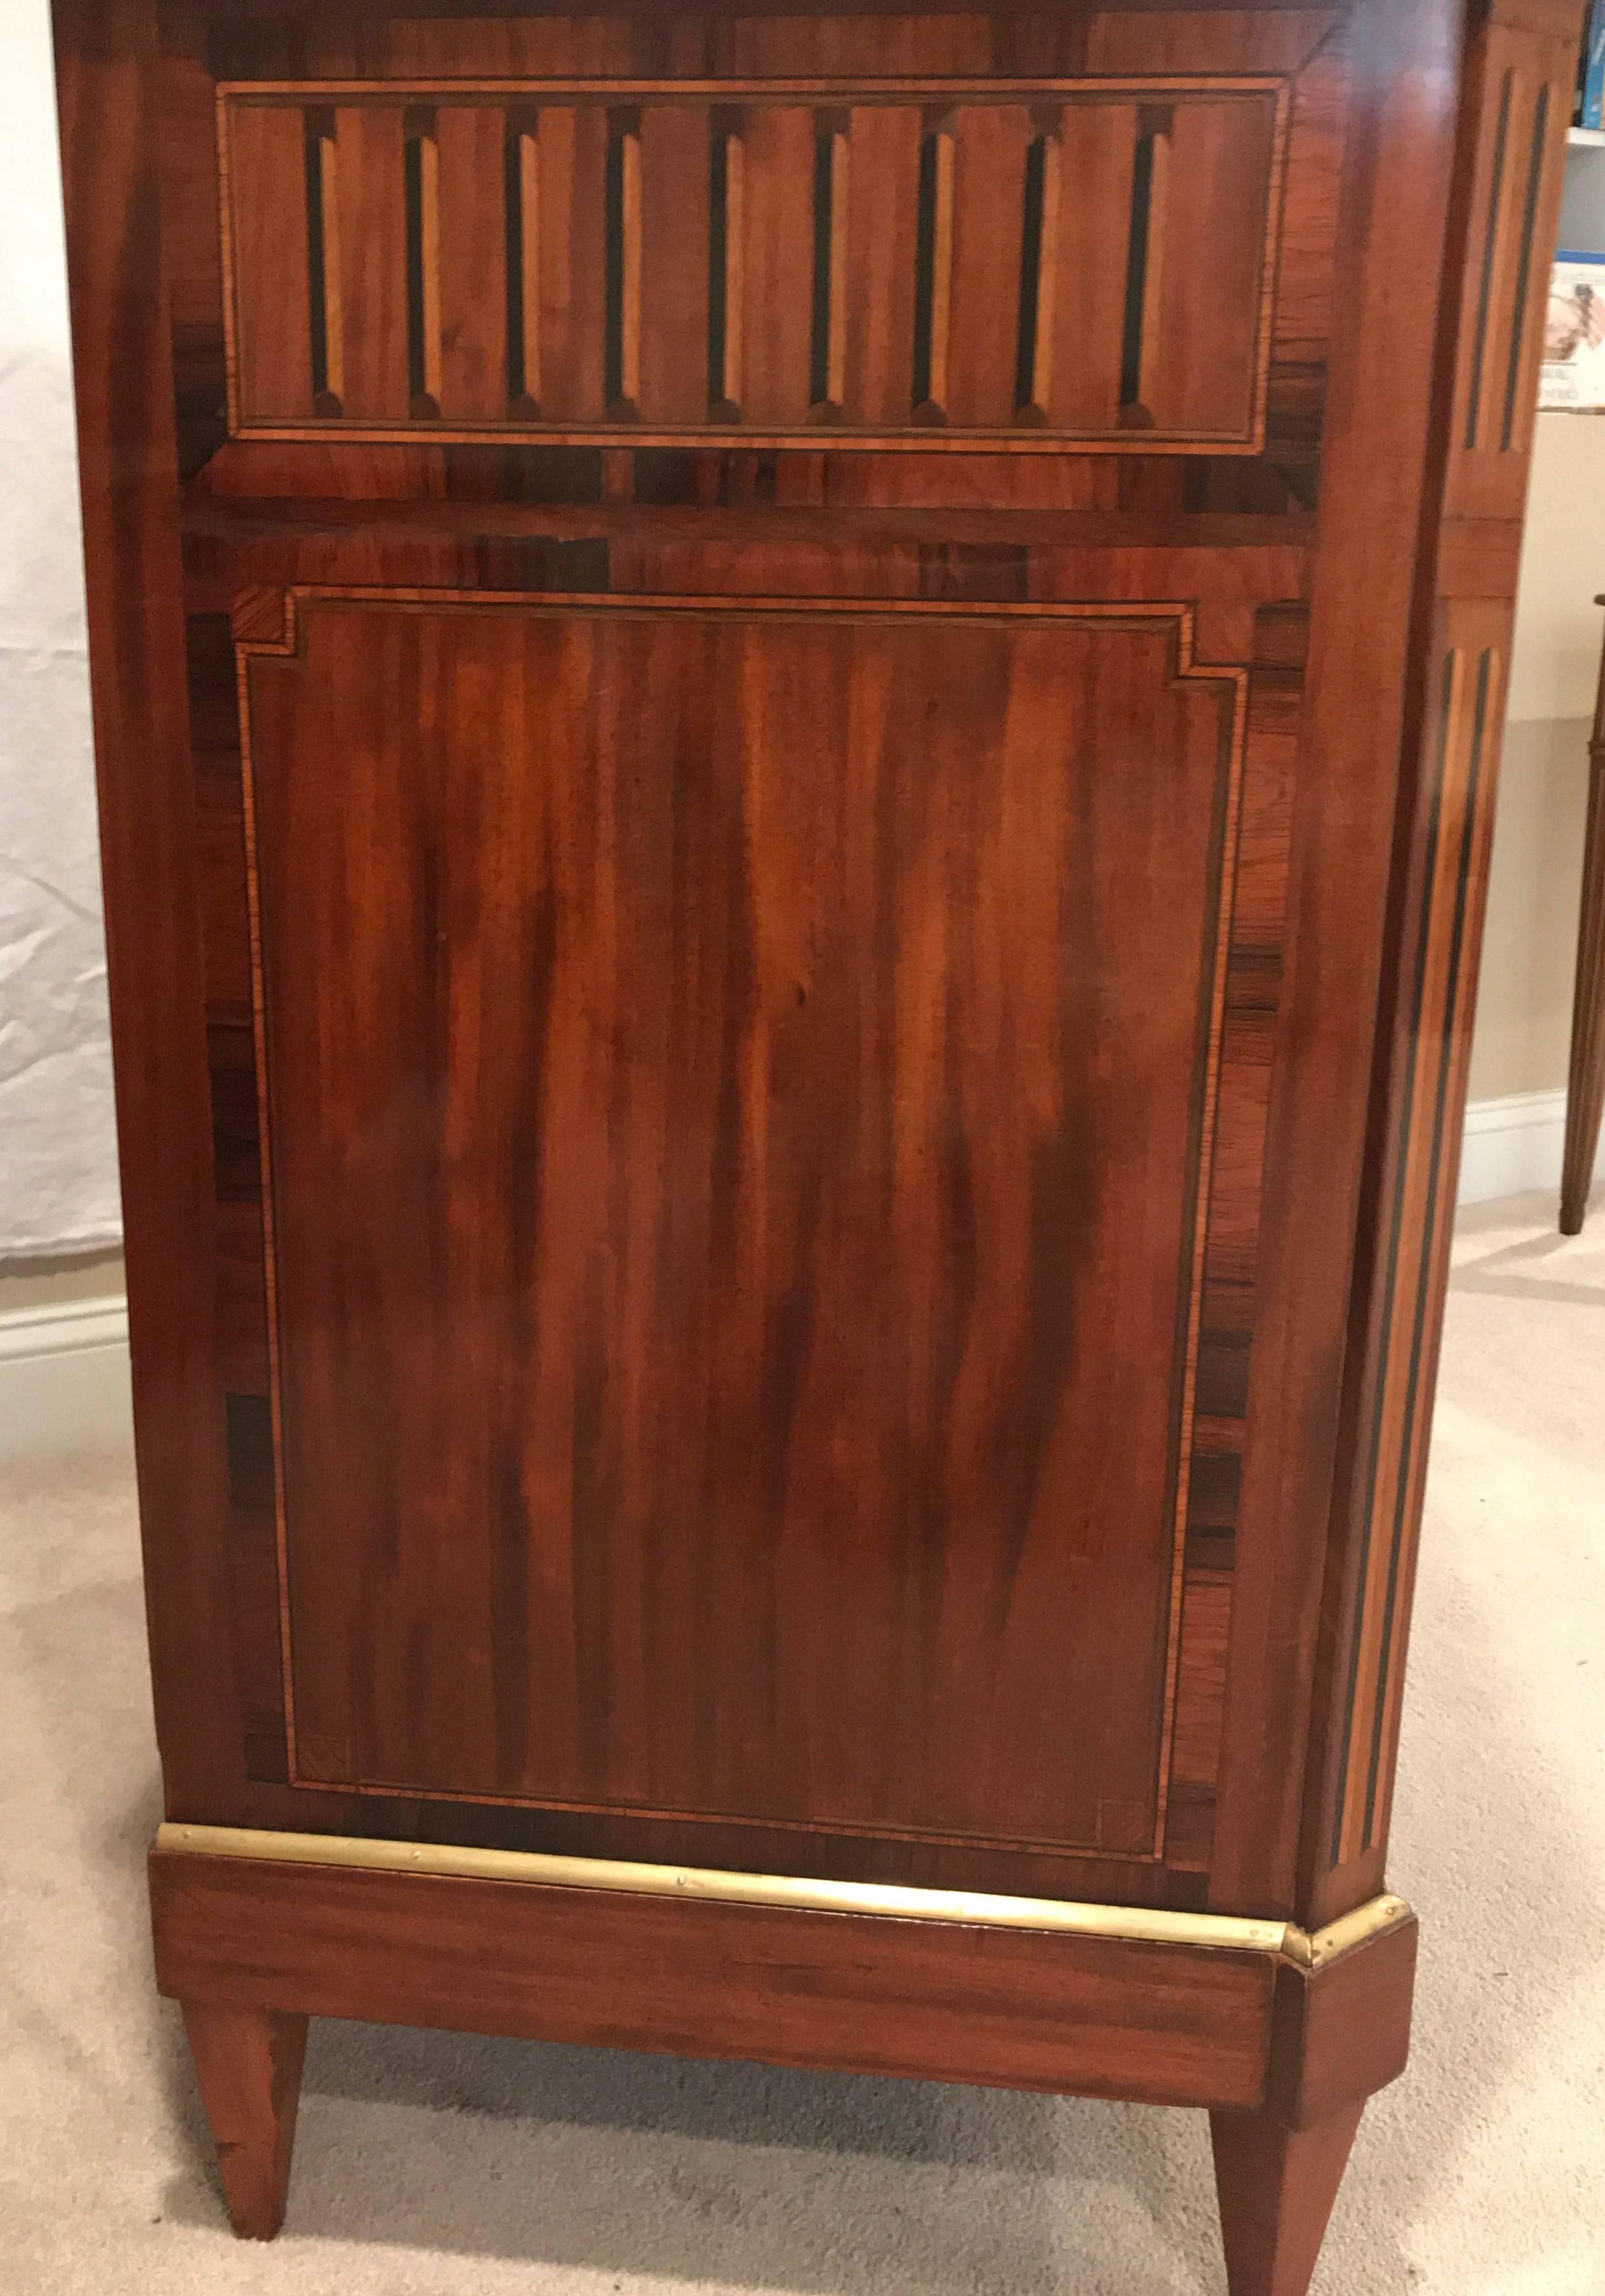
(744,908)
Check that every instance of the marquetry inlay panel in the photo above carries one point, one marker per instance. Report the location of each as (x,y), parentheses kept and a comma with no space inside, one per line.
(1523,99)
(850,261)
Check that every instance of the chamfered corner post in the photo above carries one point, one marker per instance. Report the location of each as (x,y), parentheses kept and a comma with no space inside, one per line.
(1341,2031)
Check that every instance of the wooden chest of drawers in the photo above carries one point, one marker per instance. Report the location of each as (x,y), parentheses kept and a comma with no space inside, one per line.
(797,716)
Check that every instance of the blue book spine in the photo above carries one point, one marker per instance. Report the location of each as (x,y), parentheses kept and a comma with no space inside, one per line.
(1593,69)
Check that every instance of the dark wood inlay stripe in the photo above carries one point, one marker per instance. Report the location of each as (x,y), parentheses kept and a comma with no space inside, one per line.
(1490,249)
(1136,271)
(319,126)
(1524,267)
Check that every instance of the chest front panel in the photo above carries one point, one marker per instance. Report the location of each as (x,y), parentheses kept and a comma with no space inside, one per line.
(748,586)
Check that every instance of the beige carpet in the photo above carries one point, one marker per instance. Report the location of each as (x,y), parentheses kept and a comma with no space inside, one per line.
(428,2164)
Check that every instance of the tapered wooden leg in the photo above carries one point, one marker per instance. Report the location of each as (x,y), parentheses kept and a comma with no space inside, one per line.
(249,2064)
(1586,1095)
(1276,2188)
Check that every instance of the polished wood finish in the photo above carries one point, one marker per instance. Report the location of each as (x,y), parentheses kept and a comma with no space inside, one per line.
(1585,1091)
(1276,2188)
(1360,670)
(784,1129)
(150,867)
(248,2061)
(1247,716)
(1515,99)
(1340,2031)
(744,254)
(1015,2009)
(791,984)
(1342,2027)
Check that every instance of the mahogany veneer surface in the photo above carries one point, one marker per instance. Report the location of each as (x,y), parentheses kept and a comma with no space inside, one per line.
(796,717)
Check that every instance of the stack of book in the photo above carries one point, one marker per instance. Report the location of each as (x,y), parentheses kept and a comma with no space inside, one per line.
(1573,374)
(1590,70)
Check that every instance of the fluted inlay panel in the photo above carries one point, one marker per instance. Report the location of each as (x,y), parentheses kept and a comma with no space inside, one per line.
(998,261)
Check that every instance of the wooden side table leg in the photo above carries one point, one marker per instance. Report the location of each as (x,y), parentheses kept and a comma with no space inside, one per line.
(1277,2187)
(1340,2031)
(249,2064)
(1585,1097)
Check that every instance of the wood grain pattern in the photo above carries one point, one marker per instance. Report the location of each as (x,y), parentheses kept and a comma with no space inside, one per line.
(1441,988)
(793,1147)
(777,243)
(731,1613)
(1340,2031)
(572,144)
(266,163)
(1506,194)
(1320,118)
(189,174)
(1016,2009)
(1276,2188)
(369,238)
(674,265)
(471,143)
(367,37)
(1342,2028)
(989,146)
(1403,66)
(1209,315)
(1087,262)
(1520,101)
(264,552)
(128,459)
(1199,369)
(247,2063)
(884,144)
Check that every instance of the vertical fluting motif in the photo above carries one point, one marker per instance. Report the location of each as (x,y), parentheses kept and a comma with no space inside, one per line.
(972,266)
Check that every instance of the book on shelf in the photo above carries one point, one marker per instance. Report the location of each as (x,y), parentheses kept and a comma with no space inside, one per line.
(1573,373)
(1591,68)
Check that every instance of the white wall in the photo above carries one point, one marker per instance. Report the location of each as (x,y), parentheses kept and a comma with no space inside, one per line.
(1520,1051)
(1524,1009)
(58,1190)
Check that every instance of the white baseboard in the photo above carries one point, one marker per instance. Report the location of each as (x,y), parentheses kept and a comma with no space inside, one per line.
(65,1369)
(1514,1144)
(64,1378)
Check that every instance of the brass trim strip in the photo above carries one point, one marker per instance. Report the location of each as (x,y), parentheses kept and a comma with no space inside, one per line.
(805,88)
(1371,1920)
(1225,1933)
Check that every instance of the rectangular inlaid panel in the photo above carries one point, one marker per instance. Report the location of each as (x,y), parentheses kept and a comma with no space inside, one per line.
(838,261)
(724,1191)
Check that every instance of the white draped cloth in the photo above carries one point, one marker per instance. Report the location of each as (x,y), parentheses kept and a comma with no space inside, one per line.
(58,1174)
